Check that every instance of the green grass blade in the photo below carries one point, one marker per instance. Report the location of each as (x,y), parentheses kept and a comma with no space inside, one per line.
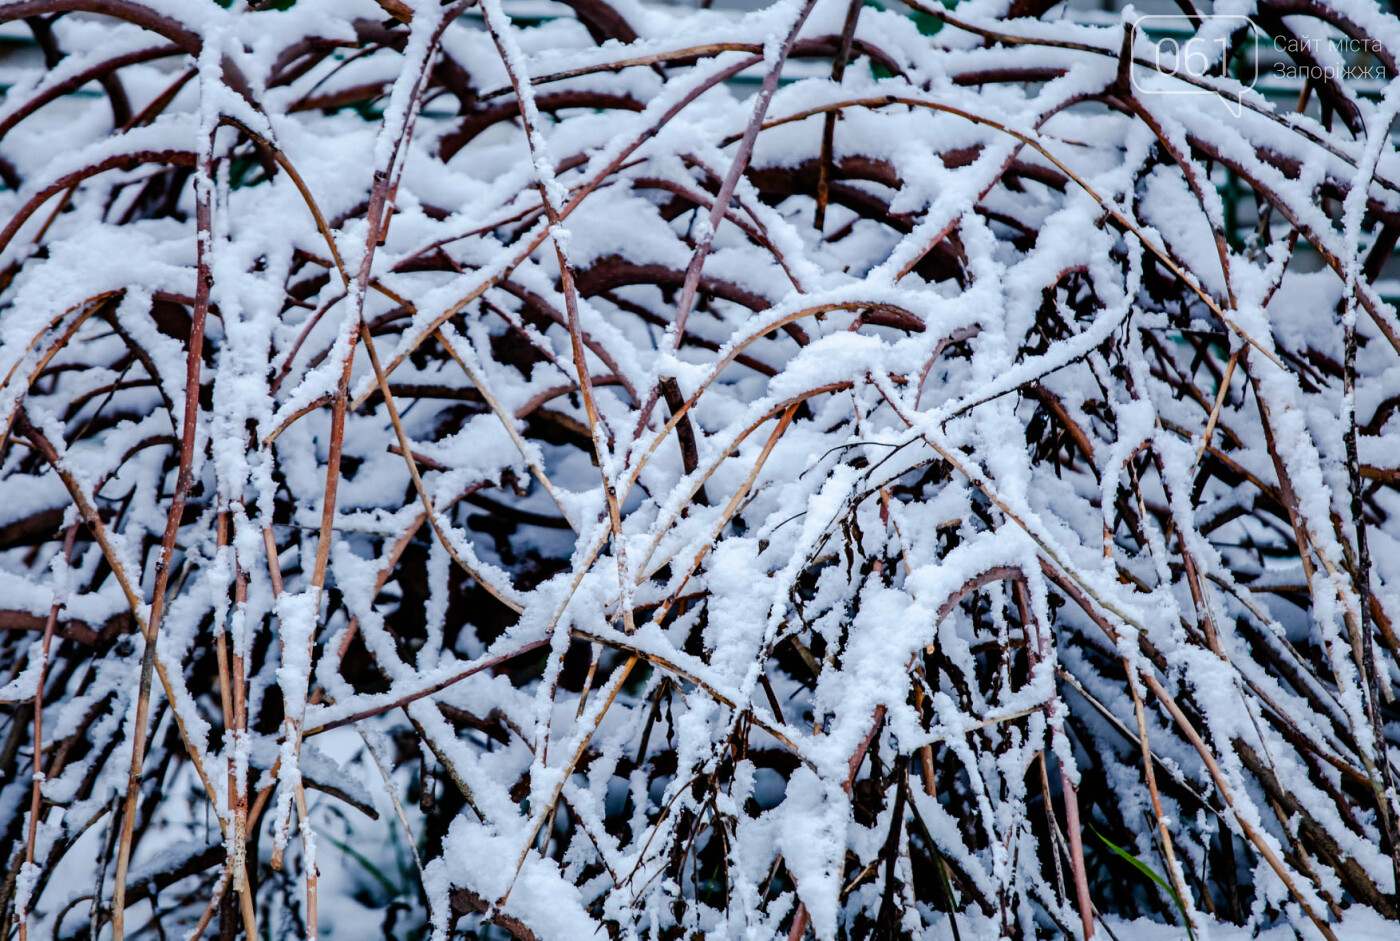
(1150,873)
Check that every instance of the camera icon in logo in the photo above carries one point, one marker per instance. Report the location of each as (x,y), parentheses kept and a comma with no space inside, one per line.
(1209,54)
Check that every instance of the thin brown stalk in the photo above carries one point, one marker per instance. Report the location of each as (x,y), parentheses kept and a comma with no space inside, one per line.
(1221,394)
(838,71)
(35,805)
(729,511)
(194,359)
(405,448)
(1040,649)
(737,166)
(609,693)
(215,899)
(1168,850)
(546,181)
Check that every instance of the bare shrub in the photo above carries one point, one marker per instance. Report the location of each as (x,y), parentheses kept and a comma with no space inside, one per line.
(827,470)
